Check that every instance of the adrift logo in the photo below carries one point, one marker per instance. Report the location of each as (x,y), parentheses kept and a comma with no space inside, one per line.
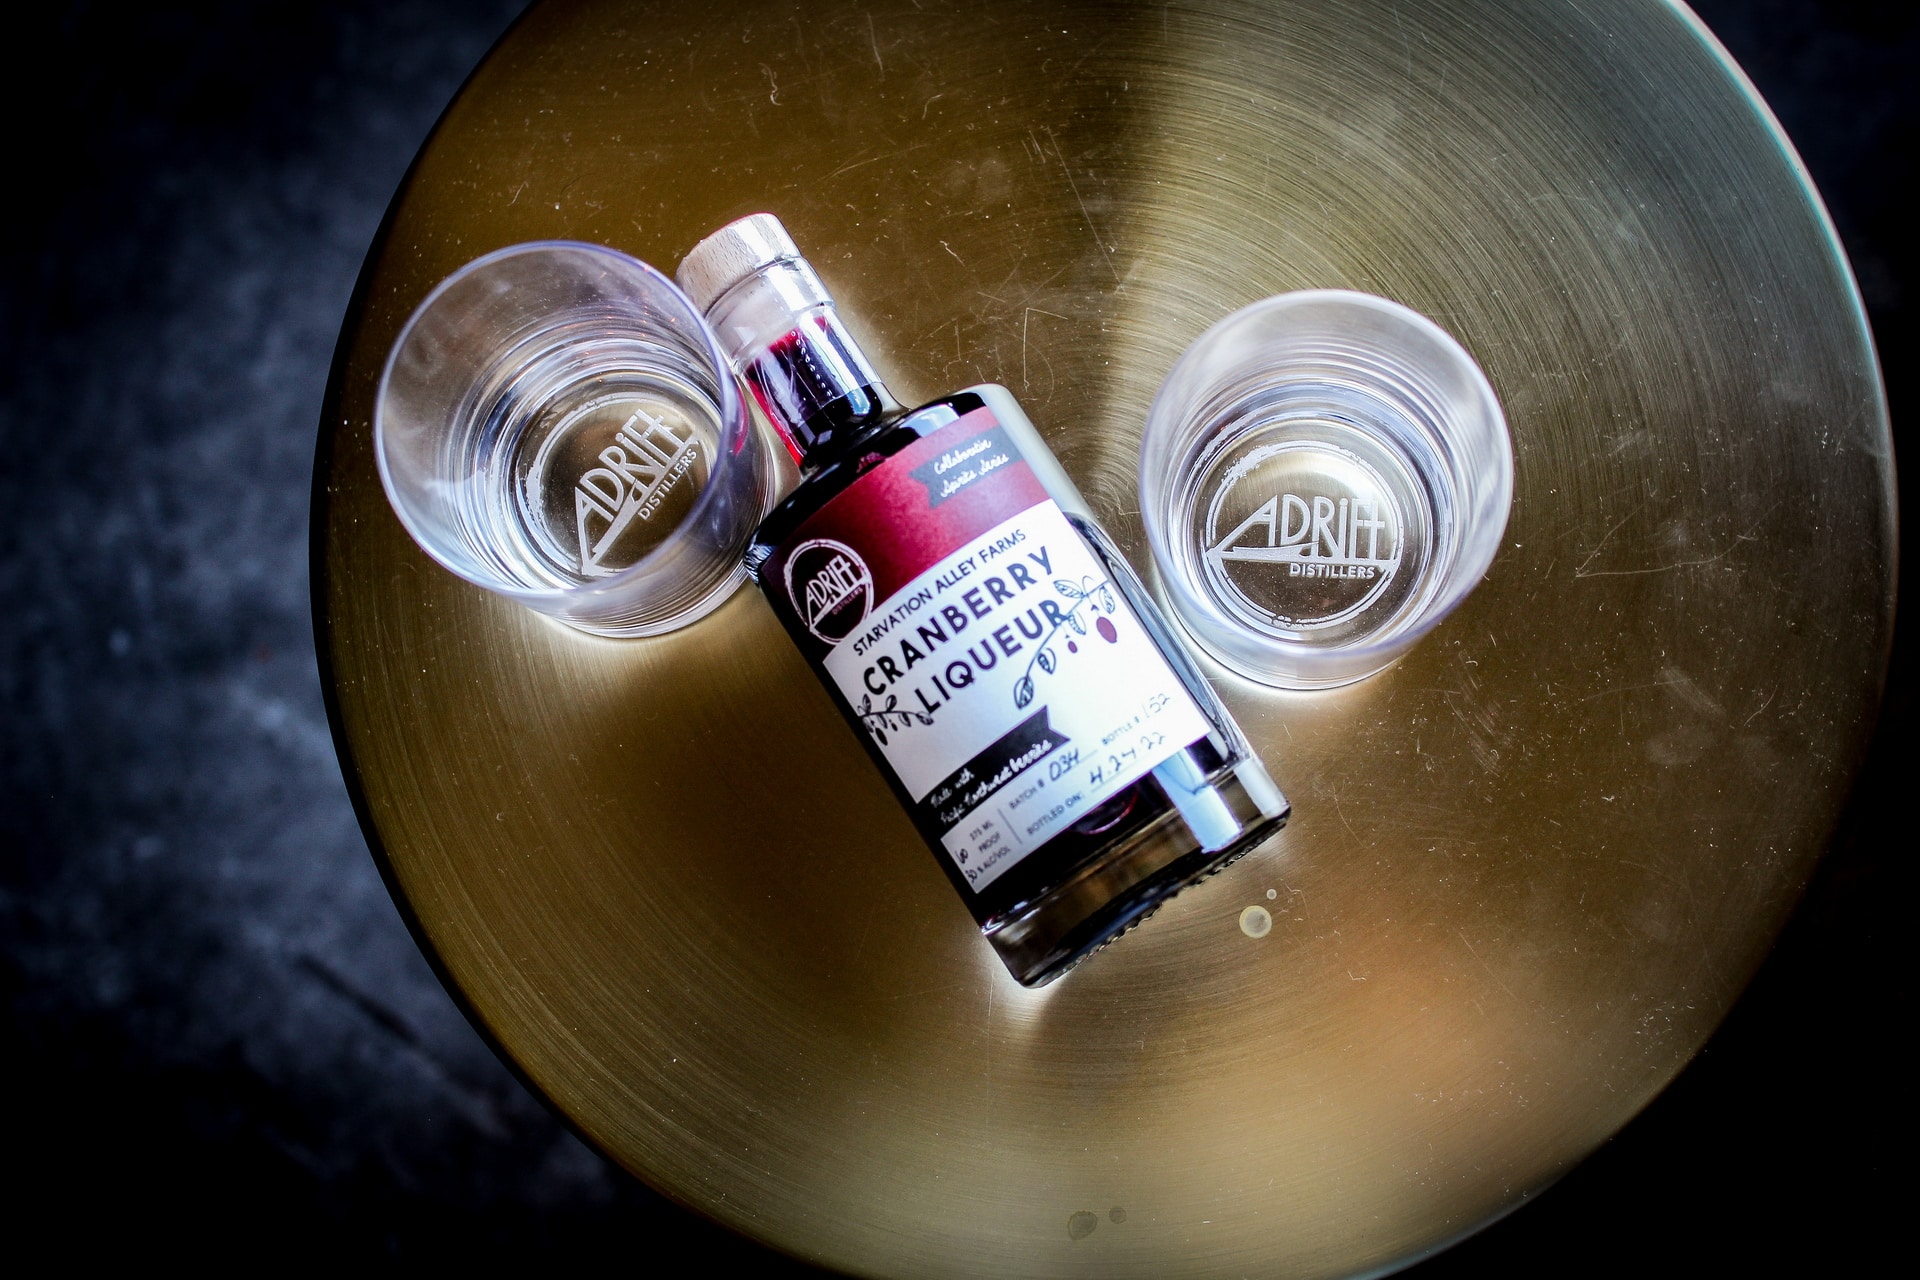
(1321,543)
(830,586)
(639,469)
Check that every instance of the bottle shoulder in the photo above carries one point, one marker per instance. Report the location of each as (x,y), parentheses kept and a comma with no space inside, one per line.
(861,454)
(873,446)
(1039,455)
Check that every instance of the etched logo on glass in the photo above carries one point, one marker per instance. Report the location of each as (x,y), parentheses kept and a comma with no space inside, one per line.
(637,473)
(1302,535)
(830,586)
(608,470)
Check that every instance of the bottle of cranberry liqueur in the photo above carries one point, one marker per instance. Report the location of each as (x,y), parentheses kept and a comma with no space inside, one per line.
(1022,693)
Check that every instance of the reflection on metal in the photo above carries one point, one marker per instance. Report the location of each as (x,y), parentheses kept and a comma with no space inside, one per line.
(1531,866)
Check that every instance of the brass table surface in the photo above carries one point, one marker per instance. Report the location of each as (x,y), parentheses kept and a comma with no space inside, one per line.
(1531,866)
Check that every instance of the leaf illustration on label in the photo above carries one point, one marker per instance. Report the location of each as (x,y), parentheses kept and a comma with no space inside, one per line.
(1067,589)
(1073,620)
(1023,691)
(1106,598)
(890,716)
(1046,661)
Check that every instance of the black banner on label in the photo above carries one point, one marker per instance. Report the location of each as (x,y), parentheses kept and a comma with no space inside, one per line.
(968,787)
(965,464)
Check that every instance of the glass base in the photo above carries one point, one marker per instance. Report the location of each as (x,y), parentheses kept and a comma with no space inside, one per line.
(1111,894)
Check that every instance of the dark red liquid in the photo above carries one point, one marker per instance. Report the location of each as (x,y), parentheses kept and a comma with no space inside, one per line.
(812,384)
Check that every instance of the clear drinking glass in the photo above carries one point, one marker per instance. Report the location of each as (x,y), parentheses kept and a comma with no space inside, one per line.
(556,424)
(1324,476)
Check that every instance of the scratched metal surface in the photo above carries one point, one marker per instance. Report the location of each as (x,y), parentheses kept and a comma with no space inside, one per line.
(1530,867)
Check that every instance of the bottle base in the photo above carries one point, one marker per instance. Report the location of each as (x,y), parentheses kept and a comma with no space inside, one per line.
(1107,897)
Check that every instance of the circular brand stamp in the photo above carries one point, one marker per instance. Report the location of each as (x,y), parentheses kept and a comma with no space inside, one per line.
(1301,535)
(830,586)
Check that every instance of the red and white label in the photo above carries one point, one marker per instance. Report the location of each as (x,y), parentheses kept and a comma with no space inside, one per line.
(977,638)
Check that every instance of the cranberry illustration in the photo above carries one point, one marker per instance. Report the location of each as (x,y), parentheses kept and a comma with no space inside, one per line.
(1107,633)
(1073,646)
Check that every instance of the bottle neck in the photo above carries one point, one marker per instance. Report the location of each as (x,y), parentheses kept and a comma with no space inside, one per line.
(817,387)
(808,374)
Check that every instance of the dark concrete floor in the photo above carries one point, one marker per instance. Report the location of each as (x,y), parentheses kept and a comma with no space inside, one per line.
(217,1033)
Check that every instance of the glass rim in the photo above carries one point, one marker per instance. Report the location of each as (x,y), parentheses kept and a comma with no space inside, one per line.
(1176,437)
(735,419)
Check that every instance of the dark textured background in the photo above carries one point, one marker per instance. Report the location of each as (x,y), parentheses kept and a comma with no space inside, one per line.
(218,1037)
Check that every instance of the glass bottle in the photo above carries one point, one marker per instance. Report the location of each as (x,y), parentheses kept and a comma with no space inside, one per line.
(1054,744)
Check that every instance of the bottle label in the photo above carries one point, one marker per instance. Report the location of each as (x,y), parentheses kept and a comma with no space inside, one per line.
(978,641)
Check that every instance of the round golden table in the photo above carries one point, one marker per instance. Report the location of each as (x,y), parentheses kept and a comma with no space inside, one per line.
(1530,867)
